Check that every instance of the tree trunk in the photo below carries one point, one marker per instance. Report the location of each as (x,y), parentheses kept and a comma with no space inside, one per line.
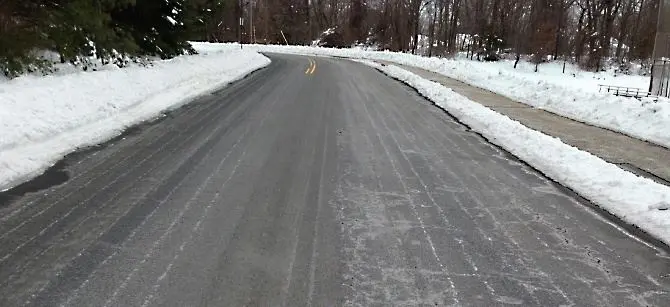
(516,61)
(431,33)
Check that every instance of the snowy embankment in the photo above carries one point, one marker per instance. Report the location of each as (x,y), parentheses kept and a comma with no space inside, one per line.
(636,200)
(575,97)
(44,118)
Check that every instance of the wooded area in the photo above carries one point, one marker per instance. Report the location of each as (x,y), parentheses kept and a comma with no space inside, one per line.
(584,31)
(111,30)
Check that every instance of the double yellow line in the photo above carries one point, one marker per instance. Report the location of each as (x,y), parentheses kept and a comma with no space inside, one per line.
(312,67)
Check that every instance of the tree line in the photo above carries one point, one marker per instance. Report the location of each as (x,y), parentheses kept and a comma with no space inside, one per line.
(585,31)
(113,31)
(117,31)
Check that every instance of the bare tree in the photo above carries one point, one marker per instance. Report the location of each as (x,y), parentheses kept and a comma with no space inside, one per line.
(587,31)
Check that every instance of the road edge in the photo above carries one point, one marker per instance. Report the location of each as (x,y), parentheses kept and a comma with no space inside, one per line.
(43,180)
(630,229)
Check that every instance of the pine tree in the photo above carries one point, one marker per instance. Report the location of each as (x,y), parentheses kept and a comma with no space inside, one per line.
(82,28)
(19,37)
(157,27)
(198,16)
(79,30)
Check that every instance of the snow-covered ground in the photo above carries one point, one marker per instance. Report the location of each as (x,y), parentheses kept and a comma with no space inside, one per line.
(43,118)
(636,200)
(552,72)
(575,97)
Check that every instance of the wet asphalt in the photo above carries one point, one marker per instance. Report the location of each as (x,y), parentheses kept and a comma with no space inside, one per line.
(313,185)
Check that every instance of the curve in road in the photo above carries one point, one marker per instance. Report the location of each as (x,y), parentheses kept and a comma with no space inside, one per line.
(315,181)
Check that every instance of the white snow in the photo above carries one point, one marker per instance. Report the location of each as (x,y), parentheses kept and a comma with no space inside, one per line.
(575,97)
(552,73)
(635,199)
(43,119)
(171,20)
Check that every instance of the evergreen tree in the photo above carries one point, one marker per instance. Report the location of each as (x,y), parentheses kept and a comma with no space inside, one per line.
(19,37)
(78,30)
(157,27)
(196,15)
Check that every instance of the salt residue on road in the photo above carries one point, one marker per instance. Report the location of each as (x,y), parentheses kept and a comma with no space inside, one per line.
(575,97)
(636,200)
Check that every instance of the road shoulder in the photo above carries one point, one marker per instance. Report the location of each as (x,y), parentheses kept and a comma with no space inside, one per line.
(636,204)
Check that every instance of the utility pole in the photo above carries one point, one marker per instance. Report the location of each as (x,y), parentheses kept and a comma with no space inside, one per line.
(661,49)
(240,23)
(251,22)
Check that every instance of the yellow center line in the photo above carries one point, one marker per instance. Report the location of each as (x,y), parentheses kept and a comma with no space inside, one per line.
(312,67)
(309,68)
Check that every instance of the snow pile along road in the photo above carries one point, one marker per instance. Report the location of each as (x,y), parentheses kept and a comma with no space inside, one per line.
(42,119)
(573,97)
(638,201)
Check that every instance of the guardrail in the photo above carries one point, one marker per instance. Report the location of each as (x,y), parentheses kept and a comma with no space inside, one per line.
(626,91)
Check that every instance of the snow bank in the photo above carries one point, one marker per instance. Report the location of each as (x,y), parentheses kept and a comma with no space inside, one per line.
(634,199)
(573,97)
(43,119)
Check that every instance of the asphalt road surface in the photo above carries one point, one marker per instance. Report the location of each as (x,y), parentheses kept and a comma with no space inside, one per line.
(314,181)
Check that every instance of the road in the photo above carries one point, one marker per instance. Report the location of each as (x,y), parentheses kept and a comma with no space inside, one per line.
(314,181)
